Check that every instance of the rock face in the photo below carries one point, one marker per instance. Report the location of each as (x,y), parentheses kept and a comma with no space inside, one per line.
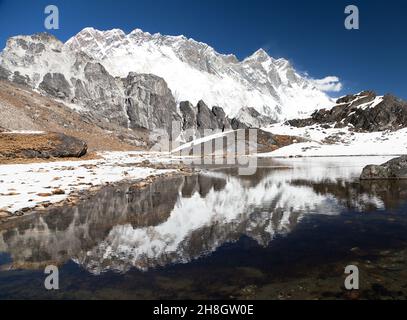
(364,112)
(44,63)
(56,85)
(200,120)
(195,71)
(149,103)
(249,117)
(4,73)
(44,145)
(395,169)
(67,71)
(223,122)
(188,115)
(132,101)
(205,119)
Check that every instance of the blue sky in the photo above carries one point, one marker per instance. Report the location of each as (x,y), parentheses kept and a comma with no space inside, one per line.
(310,33)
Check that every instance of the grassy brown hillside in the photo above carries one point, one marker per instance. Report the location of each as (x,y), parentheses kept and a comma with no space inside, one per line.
(24,109)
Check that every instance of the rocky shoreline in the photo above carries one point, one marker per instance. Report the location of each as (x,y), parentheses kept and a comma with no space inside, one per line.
(395,169)
(76,197)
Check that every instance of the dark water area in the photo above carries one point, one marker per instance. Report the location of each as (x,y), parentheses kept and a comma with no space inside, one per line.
(286,232)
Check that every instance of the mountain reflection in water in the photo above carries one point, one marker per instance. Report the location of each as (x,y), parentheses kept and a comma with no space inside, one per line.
(177,220)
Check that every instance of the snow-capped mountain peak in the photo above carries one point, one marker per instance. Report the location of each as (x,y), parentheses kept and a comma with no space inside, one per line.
(195,71)
(259,56)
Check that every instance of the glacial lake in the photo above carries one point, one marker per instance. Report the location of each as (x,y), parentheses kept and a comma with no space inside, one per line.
(286,232)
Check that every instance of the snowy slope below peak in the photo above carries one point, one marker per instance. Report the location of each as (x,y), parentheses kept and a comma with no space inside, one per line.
(326,142)
(195,71)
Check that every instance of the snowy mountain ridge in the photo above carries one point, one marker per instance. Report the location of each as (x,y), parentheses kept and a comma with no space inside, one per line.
(75,71)
(195,71)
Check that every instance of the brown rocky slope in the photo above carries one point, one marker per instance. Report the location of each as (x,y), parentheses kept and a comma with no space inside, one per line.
(24,109)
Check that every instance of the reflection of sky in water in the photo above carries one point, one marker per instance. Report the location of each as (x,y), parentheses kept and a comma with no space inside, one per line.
(203,214)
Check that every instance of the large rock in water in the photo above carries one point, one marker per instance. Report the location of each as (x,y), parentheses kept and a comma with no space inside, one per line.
(395,169)
(41,145)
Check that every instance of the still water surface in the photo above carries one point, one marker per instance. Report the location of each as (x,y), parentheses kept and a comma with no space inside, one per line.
(287,232)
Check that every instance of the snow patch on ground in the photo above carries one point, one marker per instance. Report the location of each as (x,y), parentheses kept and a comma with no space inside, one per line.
(339,142)
(21,184)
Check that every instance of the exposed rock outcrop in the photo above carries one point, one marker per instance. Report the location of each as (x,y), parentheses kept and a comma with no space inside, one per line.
(205,119)
(364,112)
(56,85)
(42,145)
(223,122)
(149,103)
(4,73)
(188,116)
(237,124)
(249,117)
(271,86)
(26,110)
(395,169)
(136,101)
(200,119)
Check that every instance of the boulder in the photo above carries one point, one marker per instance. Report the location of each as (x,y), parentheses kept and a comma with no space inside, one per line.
(42,145)
(395,169)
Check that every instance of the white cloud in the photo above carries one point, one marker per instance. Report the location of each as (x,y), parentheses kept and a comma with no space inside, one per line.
(328,84)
